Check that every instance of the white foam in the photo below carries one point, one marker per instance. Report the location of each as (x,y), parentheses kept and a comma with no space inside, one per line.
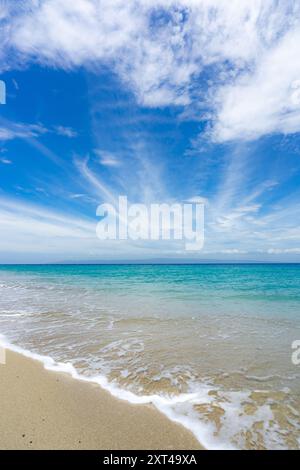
(14,313)
(265,378)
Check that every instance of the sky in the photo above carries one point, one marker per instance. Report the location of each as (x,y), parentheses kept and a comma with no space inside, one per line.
(161,101)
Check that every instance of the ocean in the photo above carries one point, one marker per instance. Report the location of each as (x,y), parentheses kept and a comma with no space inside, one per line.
(209,345)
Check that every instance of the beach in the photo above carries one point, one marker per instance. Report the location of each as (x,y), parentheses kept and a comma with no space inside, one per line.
(42,409)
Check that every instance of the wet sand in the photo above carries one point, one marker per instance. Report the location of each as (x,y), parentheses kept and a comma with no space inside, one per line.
(42,409)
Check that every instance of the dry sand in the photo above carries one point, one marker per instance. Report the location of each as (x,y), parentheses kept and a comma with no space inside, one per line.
(42,409)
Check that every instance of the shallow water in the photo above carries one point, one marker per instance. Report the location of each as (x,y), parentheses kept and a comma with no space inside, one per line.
(209,345)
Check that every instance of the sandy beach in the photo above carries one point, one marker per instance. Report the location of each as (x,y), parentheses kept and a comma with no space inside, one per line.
(42,409)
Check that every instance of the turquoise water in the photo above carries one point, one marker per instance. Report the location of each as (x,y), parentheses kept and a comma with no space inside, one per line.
(209,345)
(238,287)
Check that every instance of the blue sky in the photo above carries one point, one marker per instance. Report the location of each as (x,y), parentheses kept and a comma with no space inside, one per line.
(161,101)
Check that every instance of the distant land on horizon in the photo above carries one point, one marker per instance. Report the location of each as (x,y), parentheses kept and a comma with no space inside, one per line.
(154,261)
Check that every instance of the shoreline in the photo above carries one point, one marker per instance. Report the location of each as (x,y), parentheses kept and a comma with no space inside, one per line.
(46,409)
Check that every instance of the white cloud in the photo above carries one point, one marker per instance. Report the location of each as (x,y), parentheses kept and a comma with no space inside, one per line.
(159,48)
(96,186)
(18,130)
(65,131)
(266,100)
(278,251)
(30,228)
(11,130)
(38,233)
(107,158)
(77,196)
(234,251)
(5,161)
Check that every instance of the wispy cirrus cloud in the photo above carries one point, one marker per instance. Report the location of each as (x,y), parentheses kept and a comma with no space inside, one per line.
(31,228)
(65,131)
(107,158)
(35,233)
(5,161)
(96,185)
(11,130)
